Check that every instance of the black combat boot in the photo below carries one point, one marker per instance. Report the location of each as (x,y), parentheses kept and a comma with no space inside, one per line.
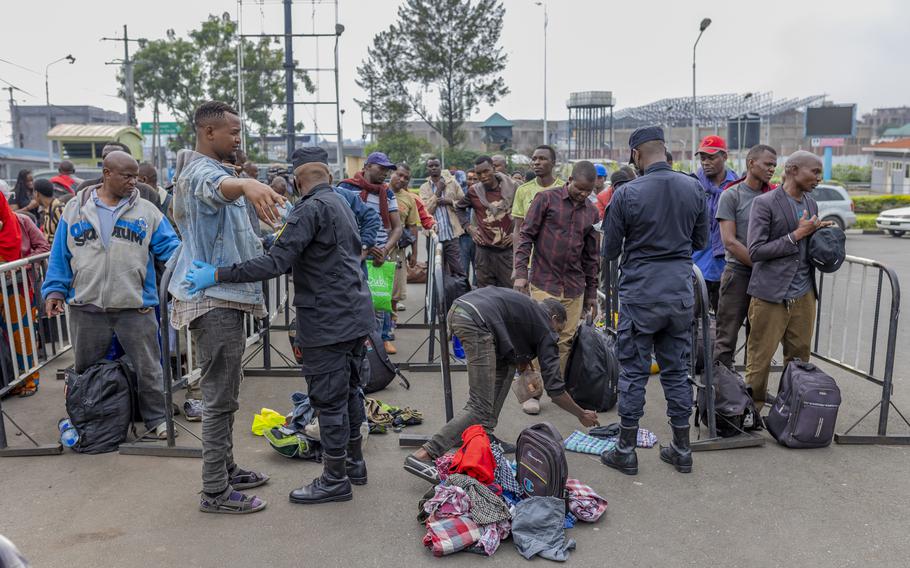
(623,457)
(332,485)
(678,453)
(354,465)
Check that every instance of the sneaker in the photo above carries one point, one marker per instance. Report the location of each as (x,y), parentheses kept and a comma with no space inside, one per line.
(531,406)
(192,409)
(389,347)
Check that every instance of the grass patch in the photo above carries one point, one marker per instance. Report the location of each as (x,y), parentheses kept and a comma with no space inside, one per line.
(865,221)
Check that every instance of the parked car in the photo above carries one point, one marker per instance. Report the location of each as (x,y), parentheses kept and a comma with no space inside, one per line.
(894,221)
(834,204)
(82,173)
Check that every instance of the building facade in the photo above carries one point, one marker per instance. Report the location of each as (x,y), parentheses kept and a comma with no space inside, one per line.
(30,122)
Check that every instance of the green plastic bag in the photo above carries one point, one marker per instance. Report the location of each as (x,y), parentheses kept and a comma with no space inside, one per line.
(380,281)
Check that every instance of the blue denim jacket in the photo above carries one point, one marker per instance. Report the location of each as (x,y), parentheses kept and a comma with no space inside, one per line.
(214,229)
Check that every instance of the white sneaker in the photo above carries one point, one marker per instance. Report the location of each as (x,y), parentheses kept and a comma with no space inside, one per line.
(161,431)
(531,406)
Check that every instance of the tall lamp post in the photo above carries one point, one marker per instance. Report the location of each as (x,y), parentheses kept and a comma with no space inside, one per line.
(701,29)
(546,22)
(47,100)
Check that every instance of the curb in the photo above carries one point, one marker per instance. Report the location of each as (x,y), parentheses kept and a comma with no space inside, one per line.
(864,232)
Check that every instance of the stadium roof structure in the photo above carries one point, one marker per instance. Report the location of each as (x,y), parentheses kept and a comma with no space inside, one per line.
(713,108)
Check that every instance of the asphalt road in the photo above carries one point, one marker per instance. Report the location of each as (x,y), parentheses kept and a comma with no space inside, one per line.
(758,507)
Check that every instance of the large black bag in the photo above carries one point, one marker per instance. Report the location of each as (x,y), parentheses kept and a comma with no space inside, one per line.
(700,343)
(734,409)
(99,402)
(541,457)
(378,370)
(805,411)
(592,370)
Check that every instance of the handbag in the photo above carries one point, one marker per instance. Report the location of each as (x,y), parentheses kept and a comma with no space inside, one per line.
(381,280)
(528,385)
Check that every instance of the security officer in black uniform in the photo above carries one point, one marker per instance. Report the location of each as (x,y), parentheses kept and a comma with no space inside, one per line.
(656,221)
(320,244)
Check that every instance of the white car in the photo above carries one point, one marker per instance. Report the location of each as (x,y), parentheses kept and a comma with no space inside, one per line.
(894,221)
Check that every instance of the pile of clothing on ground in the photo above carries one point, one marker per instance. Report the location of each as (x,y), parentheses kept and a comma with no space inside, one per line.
(296,435)
(603,439)
(479,503)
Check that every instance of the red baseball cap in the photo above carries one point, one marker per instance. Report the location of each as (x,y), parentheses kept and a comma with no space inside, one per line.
(712,145)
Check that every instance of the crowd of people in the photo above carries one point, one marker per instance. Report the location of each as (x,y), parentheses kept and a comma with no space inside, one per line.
(533,244)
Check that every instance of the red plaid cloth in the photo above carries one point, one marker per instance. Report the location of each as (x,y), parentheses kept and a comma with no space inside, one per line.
(584,503)
(448,536)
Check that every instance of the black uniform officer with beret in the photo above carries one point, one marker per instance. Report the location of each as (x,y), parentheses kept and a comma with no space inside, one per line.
(655,222)
(320,245)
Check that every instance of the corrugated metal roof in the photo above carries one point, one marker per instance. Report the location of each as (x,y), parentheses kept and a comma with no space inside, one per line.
(903,143)
(496,120)
(10,153)
(107,131)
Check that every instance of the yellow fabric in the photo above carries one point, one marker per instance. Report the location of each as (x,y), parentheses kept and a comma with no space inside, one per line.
(407,209)
(266,420)
(574,308)
(526,193)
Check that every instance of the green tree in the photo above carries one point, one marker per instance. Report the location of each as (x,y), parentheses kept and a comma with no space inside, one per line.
(400,147)
(443,49)
(181,73)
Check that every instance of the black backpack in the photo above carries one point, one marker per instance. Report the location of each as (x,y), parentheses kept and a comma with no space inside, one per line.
(377,370)
(592,370)
(99,402)
(805,411)
(734,409)
(541,457)
(454,287)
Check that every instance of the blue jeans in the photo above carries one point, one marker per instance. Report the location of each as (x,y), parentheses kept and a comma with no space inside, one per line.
(384,325)
(665,327)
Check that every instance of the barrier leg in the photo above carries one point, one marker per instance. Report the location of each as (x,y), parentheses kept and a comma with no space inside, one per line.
(170,449)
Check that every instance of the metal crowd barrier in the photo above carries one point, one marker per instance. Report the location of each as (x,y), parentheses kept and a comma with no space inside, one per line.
(608,294)
(433,292)
(848,335)
(30,340)
(276,298)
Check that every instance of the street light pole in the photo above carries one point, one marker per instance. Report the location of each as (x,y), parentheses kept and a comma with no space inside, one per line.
(701,29)
(546,21)
(47,100)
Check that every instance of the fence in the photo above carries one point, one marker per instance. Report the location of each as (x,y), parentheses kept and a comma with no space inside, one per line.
(848,335)
(30,339)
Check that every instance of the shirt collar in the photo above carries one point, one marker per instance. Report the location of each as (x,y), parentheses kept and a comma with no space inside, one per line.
(320,187)
(103,205)
(657,166)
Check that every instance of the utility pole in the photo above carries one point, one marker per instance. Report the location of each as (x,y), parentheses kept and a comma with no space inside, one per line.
(289,79)
(13,119)
(127,64)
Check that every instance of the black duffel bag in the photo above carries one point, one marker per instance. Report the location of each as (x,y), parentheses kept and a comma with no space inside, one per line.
(734,409)
(100,403)
(592,370)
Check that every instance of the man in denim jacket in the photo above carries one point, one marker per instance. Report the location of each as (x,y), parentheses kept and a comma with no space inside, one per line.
(210,212)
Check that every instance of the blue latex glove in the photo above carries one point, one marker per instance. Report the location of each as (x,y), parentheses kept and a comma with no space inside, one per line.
(200,277)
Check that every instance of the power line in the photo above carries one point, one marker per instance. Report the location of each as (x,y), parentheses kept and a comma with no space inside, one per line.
(8,62)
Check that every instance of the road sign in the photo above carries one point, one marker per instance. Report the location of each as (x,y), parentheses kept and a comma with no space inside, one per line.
(827,142)
(164,128)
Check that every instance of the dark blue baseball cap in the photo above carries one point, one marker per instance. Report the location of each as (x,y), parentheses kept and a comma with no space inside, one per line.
(644,134)
(380,159)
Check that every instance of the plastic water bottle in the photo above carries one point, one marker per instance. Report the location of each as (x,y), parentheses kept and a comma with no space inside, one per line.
(68,434)
(457,349)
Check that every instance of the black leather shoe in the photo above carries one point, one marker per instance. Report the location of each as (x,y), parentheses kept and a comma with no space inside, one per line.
(354,465)
(332,485)
(623,457)
(678,453)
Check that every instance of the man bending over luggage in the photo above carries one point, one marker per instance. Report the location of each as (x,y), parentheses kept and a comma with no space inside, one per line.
(500,329)
(320,245)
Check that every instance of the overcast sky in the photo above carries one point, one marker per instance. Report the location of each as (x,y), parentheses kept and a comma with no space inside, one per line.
(851,51)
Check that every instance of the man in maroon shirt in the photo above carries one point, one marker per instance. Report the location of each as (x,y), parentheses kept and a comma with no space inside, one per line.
(559,229)
(491,202)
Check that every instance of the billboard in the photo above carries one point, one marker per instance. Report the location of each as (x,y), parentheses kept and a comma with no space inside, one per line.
(746,127)
(834,121)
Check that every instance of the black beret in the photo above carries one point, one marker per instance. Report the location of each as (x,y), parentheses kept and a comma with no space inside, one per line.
(309,154)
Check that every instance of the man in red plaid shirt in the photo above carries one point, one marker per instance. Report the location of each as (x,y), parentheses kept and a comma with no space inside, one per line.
(559,228)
